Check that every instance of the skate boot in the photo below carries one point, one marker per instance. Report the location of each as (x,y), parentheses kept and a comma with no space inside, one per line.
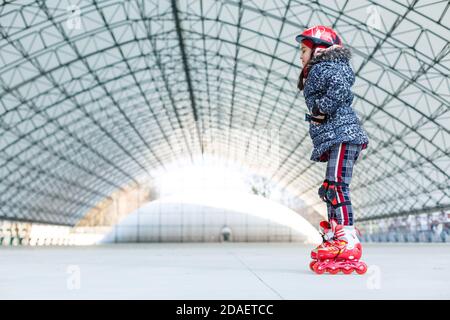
(326,230)
(341,254)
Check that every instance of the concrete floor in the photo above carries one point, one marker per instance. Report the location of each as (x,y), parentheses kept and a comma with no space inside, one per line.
(218,271)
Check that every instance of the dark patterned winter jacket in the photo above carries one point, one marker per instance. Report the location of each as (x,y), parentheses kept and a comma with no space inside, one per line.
(327,89)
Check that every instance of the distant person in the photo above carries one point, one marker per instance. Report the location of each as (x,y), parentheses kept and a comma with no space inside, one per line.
(226,233)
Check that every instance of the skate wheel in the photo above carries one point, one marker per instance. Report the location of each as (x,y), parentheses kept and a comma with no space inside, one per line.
(333,271)
(347,270)
(362,268)
(318,269)
(311,265)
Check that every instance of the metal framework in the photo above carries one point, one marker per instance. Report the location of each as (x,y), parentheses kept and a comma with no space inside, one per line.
(96,95)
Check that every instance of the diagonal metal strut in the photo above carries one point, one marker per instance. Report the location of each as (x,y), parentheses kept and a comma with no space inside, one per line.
(186,70)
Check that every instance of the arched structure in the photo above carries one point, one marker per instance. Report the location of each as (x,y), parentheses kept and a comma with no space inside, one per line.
(93,97)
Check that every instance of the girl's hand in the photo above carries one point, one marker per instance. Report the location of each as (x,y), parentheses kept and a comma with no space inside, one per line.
(317,116)
(318,119)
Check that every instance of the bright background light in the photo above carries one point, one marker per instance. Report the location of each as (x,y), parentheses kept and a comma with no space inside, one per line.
(205,177)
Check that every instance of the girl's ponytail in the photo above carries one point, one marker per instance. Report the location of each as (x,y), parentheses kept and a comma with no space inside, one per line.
(300,83)
(304,72)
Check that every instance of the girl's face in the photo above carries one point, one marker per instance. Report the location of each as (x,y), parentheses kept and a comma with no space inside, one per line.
(305,54)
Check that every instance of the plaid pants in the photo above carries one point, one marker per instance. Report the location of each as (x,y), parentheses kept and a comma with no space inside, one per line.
(339,169)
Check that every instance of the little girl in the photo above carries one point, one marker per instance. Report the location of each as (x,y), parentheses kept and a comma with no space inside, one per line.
(338,138)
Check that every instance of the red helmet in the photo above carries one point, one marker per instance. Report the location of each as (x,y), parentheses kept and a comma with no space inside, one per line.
(320,36)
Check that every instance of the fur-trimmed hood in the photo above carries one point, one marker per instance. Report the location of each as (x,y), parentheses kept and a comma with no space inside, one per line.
(334,52)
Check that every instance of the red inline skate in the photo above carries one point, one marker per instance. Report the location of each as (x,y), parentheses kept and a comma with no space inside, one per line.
(326,230)
(340,254)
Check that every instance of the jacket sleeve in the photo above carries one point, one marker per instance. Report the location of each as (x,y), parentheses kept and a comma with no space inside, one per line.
(338,91)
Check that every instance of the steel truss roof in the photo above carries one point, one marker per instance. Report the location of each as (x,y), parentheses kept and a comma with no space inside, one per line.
(94,96)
